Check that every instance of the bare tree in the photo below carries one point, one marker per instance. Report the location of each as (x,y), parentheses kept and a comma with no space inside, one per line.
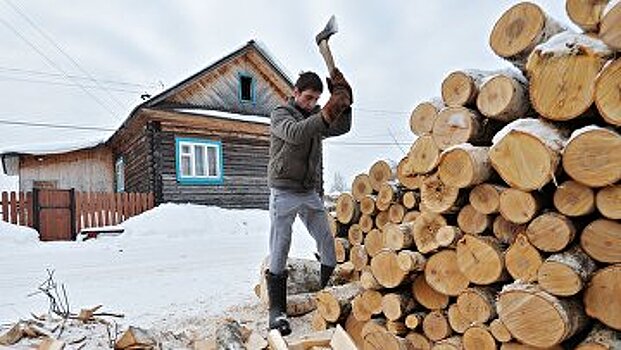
(338,183)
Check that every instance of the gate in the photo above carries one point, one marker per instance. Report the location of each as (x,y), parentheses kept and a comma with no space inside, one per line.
(54,214)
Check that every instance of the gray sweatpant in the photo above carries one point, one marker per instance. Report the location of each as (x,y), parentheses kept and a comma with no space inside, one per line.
(284,207)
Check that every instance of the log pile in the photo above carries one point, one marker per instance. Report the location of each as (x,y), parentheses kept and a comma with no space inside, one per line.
(501,226)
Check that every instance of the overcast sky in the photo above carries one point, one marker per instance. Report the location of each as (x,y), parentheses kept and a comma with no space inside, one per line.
(395,54)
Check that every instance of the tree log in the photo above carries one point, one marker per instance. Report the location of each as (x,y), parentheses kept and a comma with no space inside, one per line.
(551,232)
(452,343)
(396,212)
(480,259)
(341,248)
(437,197)
(562,75)
(366,223)
(592,156)
(398,236)
(499,331)
(411,216)
(358,257)
(410,199)
(523,260)
(301,304)
(519,30)
(374,242)
(411,261)
(388,194)
(518,206)
(368,280)
(477,304)
(381,172)
(609,29)
(427,296)
(608,202)
(485,198)
(504,97)
(478,338)
(436,326)
(396,306)
(385,267)
(442,273)
(367,304)
(608,81)
(460,88)
(334,303)
(418,341)
(526,153)
(448,236)
(565,274)
(574,199)
(396,328)
(601,239)
(367,205)
(424,115)
(355,234)
(505,231)
(538,318)
(347,209)
(361,187)
(601,298)
(303,277)
(472,221)
(586,14)
(228,336)
(425,229)
(456,319)
(464,166)
(354,329)
(318,323)
(381,219)
(413,320)
(457,125)
(407,177)
(424,155)
(601,338)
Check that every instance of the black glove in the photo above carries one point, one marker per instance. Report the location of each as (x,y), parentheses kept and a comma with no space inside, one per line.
(337,82)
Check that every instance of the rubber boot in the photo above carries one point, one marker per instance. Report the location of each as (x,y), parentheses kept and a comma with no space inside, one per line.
(326,273)
(277,293)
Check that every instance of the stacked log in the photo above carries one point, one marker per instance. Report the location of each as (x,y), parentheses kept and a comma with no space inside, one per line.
(501,226)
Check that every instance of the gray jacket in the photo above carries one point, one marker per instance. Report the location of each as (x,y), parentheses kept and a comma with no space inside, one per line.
(295,146)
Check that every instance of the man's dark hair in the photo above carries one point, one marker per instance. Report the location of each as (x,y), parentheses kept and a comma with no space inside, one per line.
(309,81)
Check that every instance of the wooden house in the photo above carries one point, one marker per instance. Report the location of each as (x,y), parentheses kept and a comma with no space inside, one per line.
(204,140)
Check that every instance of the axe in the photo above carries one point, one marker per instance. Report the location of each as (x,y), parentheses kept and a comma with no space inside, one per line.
(322,42)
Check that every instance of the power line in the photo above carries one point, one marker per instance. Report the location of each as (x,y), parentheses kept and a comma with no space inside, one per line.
(55,126)
(50,74)
(53,64)
(59,83)
(61,50)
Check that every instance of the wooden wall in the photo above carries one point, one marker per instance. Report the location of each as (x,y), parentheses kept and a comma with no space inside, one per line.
(90,170)
(220,89)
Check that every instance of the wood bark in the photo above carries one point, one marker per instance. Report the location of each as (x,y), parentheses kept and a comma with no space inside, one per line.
(538,318)
(601,338)
(601,239)
(526,153)
(464,166)
(601,298)
(565,274)
(607,82)
(443,274)
(591,156)
(574,199)
(519,30)
(608,202)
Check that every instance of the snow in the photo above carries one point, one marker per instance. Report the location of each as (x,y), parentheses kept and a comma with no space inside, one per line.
(586,129)
(225,115)
(463,146)
(174,263)
(546,132)
(53,147)
(609,7)
(458,120)
(569,43)
(8,183)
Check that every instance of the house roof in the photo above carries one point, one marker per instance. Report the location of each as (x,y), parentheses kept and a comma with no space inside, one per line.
(224,115)
(52,147)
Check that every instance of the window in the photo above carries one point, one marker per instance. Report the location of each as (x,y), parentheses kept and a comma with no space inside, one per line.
(119,169)
(199,161)
(246,88)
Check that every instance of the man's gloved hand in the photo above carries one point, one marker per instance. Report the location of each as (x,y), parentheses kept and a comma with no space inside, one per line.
(340,98)
(337,82)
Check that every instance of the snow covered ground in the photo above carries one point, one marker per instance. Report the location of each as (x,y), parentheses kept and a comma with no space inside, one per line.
(173,264)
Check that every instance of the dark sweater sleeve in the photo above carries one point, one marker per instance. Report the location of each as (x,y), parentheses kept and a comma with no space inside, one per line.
(286,127)
(341,125)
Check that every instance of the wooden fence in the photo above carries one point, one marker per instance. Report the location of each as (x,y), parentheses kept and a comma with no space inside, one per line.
(90,209)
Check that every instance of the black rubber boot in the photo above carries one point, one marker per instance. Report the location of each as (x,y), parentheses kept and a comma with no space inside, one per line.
(326,273)
(277,293)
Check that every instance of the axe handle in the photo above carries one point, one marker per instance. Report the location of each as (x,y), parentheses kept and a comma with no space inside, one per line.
(327,55)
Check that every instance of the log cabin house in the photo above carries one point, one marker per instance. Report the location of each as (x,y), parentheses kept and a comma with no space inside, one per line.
(204,140)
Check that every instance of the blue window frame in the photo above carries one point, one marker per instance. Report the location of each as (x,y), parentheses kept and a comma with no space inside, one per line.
(198,161)
(246,90)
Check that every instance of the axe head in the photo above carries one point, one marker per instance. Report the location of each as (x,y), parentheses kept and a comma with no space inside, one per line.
(327,32)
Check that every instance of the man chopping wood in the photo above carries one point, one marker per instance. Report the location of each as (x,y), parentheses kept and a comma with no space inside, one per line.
(296,132)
